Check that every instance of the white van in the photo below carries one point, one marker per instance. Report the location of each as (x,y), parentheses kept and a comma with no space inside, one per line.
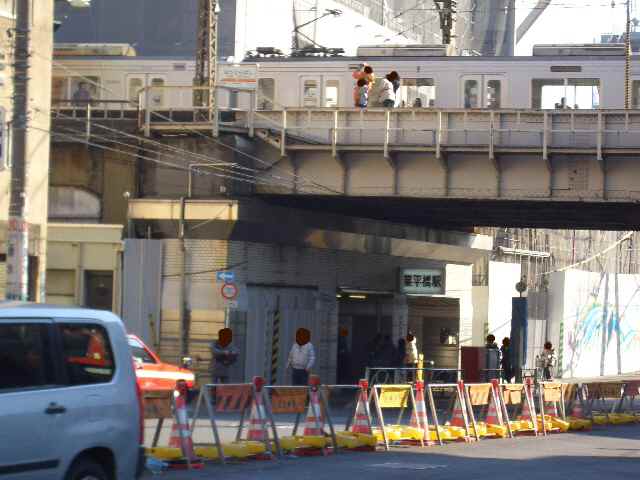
(69,403)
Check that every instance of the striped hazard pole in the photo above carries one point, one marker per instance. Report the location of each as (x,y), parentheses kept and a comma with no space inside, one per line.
(275,345)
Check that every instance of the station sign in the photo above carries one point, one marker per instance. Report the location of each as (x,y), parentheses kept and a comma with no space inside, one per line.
(238,76)
(428,281)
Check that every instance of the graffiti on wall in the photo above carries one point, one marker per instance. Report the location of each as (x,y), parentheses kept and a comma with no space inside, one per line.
(601,334)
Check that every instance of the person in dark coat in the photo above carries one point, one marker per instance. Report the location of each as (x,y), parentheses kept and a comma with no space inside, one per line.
(505,360)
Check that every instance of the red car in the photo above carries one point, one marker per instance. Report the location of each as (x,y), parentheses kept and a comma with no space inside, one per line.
(153,373)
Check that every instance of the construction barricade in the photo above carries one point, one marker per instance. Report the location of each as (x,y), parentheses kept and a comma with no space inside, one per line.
(161,405)
(627,402)
(575,400)
(518,400)
(400,398)
(487,411)
(300,400)
(552,418)
(250,401)
(450,413)
(356,434)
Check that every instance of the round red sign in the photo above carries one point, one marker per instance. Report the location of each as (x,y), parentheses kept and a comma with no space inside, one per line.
(229,291)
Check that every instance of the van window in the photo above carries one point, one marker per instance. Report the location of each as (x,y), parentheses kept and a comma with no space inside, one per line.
(86,353)
(266,93)
(417,93)
(25,356)
(471,97)
(331,90)
(139,353)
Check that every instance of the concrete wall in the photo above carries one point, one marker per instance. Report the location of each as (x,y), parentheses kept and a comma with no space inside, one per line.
(39,120)
(595,322)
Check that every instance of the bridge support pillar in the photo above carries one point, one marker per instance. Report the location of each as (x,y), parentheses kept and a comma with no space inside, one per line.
(441,157)
(344,164)
(392,160)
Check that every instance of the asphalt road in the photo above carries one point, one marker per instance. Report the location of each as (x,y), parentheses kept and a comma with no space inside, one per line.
(609,453)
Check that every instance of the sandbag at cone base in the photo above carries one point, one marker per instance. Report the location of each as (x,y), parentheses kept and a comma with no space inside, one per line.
(580,424)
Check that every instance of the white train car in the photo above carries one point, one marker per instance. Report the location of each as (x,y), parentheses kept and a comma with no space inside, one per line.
(581,77)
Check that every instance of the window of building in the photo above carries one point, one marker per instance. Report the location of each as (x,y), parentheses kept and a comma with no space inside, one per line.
(471,94)
(494,93)
(25,356)
(87,354)
(266,93)
(98,291)
(331,92)
(139,353)
(417,93)
(7,8)
(572,93)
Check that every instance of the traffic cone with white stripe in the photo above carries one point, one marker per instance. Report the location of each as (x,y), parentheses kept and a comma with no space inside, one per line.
(550,408)
(419,418)
(577,411)
(494,415)
(180,432)
(459,417)
(362,417)
(258,420)
(314,424)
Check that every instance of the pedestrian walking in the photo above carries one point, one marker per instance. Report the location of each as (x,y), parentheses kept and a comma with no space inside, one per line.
(224,355)
(411,357)
(505,360)
(344,360)
(302,357)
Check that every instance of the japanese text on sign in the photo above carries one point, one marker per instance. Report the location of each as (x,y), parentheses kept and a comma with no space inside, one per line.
(427,281)
(288,400)
(394,397)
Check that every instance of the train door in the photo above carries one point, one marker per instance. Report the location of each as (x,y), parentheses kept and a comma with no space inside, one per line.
(482,91)
(310,91)
(137,82)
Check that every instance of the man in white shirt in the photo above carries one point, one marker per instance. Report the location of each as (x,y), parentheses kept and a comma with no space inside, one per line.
(301,357)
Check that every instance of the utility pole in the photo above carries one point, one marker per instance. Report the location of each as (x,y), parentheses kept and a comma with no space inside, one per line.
(207,57)
(18,233)
(627,64)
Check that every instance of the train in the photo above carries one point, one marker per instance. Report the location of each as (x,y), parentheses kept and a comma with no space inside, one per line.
(555,76)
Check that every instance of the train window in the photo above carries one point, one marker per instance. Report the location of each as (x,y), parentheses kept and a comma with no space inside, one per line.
(331,91)
(266,93)
(417,92)
(135,85)
(84,89)
(471,97)
(494,92)
(59,87)
(583,93)
(557,93)
(310,93)
(157,92)
(635,97)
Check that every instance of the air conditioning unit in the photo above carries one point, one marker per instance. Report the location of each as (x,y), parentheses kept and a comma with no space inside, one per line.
(80,3)
(402,51)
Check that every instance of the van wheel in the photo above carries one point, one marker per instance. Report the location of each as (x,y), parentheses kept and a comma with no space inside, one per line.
(85,469)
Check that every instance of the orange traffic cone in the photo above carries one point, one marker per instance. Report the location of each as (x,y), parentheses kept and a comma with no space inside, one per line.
(362,417)
(550,408)
(419,418)
(577,411)
(526,411)
(180,432)
(494,415)
(258,420)
(314,425)
(459,418)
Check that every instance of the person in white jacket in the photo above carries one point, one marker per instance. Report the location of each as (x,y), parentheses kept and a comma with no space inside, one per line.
(301,357)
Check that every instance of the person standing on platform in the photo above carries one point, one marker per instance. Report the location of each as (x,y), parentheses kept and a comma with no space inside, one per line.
(548,361)
(505,360)
(223,355)
(411,357)
(302,357)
